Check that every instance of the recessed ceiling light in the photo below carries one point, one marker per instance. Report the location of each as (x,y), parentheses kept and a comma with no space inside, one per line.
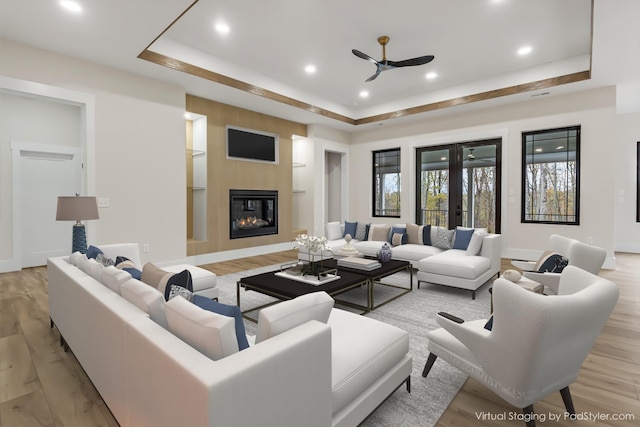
(71,6)
(559,147)
(222,28)
(443,158)
(364,94)
(431,75)
(524,50)
(538,150)
(310,69)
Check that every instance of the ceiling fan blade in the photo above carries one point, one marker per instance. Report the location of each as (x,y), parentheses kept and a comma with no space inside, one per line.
(375,76)
(363,56)
(414,61)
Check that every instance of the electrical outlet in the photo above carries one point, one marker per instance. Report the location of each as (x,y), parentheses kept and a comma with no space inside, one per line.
(103,202)
(589,240)
(145,248)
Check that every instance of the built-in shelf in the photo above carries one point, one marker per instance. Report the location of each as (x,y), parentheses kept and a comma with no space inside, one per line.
(298,165)
(196,188)
(299,191)
(194,153)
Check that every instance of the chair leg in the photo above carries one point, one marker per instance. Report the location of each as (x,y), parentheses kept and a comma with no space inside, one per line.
(529,418)
(568,401)
(427,366)
(473,294)
(408,384)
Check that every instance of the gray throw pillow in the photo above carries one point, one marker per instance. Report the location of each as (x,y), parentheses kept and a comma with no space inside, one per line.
(443,238)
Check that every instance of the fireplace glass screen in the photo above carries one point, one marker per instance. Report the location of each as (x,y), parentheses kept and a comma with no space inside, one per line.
(253,213)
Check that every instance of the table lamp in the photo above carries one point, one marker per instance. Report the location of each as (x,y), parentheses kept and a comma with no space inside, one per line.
(77,208)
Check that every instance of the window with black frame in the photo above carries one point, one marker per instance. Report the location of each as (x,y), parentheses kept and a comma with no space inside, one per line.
(386,183)
(551,176)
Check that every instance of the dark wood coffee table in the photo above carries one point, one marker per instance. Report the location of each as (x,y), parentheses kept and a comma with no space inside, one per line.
(283,288)
(374,276)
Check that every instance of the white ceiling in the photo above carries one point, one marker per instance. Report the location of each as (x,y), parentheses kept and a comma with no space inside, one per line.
(270,42)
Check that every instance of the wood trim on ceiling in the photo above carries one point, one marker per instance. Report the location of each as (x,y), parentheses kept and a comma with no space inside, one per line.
(176,64)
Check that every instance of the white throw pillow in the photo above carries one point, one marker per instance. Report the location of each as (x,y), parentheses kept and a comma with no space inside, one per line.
(283,316)
(113,278)
(77,258)
(475,244)
(147,299)
(212,334)
(334,231)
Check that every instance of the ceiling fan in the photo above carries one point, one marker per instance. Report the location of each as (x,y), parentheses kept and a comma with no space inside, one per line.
(384,64)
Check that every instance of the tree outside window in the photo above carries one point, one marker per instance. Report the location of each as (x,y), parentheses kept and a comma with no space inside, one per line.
(551,178)
(386,183)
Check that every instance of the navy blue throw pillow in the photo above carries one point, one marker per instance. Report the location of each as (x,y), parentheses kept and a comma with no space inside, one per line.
(552,263)
(93,252)
(225,310)
(182,279)
(134,272)
(426,235)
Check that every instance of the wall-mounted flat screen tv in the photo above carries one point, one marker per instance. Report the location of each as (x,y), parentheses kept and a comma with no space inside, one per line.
(247,144)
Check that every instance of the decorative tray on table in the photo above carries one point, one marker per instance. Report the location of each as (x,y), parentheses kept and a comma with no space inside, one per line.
(307,273)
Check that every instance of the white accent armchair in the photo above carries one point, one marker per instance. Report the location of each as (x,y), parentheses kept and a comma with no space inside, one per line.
(537,343)
(582,255)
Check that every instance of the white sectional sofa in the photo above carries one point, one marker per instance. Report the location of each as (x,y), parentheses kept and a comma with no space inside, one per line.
(313,374)
(468,268)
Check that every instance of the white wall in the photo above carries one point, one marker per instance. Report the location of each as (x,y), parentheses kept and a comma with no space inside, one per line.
(593,110)
(139,148)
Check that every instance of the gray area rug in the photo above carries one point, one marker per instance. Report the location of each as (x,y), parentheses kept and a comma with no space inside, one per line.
(415,313)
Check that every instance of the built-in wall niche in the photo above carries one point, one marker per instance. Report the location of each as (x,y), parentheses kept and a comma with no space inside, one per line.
(196,150)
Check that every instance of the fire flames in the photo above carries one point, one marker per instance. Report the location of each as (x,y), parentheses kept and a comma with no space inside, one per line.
(251,222)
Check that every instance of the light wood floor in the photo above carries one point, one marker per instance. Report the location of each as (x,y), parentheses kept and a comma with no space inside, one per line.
(41,385)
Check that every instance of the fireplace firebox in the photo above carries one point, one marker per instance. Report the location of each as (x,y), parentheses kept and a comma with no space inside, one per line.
(253,213)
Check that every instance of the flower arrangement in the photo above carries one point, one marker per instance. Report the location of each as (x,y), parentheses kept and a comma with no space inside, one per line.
(316,246)
(313,244)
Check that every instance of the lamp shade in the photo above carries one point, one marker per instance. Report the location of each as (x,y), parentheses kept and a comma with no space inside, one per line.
(76,208)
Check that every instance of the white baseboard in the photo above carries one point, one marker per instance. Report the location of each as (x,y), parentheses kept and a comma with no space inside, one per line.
(240,253)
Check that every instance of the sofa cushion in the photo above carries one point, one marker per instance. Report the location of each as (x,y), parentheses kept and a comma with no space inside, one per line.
(368,247)
(210,333)
(232,311)
(154,276)
(398,239)
(286,315)
(379,232)
(350,228)
(362,231)
(181,280)
(412,252)
(357,359)
(396,230)
(334,231)
(475,244)
(94,269)
(93,252)
(443,238)
(414,233)
(77,258)
(147,299)
(455,263)
(201,278)
(114,278)
(551,262)
(462,237)
(426,235)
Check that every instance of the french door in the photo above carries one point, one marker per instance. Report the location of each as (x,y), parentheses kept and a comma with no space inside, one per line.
(459,185)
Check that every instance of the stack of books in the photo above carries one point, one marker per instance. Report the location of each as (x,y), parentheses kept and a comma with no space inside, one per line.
(359,263)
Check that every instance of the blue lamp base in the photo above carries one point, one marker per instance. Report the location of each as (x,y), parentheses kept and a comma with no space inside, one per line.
(79,239)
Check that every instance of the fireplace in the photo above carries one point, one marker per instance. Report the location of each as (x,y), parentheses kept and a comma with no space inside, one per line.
(252,213)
